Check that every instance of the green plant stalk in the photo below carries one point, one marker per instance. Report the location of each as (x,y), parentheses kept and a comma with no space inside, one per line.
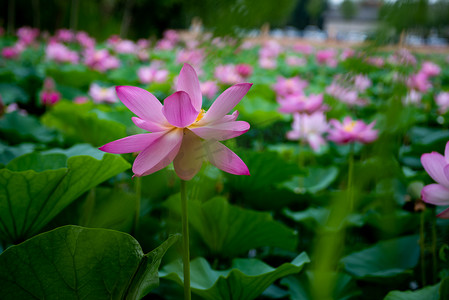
(350,175)
(423,249)
(138,190)
(434,248)
(185,240)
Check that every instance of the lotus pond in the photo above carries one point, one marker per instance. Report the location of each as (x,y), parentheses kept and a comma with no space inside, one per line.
(345,148)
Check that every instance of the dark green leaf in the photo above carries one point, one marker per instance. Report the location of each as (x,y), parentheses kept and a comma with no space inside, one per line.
(246,280)
(73,262)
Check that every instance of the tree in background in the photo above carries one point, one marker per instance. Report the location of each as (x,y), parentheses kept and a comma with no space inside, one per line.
(348,9)
(315,9)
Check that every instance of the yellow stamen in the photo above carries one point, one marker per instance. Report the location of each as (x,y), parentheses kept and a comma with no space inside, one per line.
(200,115)
(350,127)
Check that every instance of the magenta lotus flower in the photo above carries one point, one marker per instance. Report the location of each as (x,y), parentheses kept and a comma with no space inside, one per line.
(49,95)
(437,166)
(209,89)
(182,132)
(300,103)
(351,131)
(295,61)
(60,53)
(362,83)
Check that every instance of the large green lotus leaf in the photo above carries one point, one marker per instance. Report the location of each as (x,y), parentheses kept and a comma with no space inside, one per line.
(246,280)
(79,124)
(385,259)
(35,187)
(268,171)
(299,286)
(19,128)
(78,76)
(316,180)
(12,93)
(314,217)
(427,293)
(229,230)
(7,153)
(73,262)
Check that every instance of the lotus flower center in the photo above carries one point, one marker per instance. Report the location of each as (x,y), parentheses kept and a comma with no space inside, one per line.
(350,127)
(200,115)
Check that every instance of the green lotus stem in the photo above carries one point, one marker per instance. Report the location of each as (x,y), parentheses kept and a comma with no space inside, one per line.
(350,175)
(138,187)
(434,248)
(185,240)
(422,246)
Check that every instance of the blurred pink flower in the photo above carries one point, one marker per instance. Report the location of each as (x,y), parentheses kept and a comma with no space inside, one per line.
(65,35)
(49,95)
(295,61)
(125,47)
(85,40)
(289,86)
(309,127)
(303,48)
(209,89)
(430,69)
(351,131)
(81,99)
(347,53)
(244,70)
(345,94)
(60,53)
(376,61)
(361,83)
(11,52)
(327,57)
(193,57)
(419,81)
(27,35)
(437,166)
(102,94)
(300,103)
(152,74)
(267,63)
(227,74)
(100,60)
(413,97)
(181,131)
(442,100)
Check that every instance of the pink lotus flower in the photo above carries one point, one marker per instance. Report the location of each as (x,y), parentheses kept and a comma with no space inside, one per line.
(49,95)
(303,48)
(351,131)
(180,130)
(85,40)
(100,60)
(244,70)
(289,86)
(376,61)
(442,100)
(65,35)
(327,57)
(347,53)
(209,89)
(27,35)
(227,74)
(125,47)
(309,127)
(11,52)
(300,103)
(152,74)
(295,61)
(60,53)
(420,82)
(437,166)
(361,83)
(102,94)
(345,94)
(430,69)
(268,63)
